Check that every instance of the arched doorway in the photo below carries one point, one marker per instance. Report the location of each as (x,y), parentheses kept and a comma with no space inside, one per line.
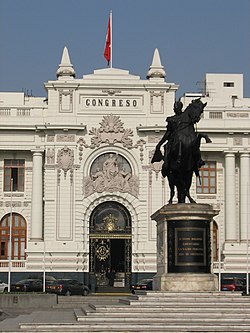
(110,245)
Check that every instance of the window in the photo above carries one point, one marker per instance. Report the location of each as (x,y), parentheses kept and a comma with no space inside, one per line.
(14,169)
(206,184)
(228,84)
(18,237)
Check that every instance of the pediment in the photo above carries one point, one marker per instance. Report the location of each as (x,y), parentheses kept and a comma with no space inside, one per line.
(111,73)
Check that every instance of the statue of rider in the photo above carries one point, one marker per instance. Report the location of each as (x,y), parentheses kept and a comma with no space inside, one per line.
(171,136)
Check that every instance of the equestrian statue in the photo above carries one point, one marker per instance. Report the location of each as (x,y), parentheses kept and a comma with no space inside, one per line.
(182,156)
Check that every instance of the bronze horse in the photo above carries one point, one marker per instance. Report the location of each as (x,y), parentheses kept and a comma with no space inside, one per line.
(182,155)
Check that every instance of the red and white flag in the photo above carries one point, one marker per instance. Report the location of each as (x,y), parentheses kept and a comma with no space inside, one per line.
(107,50)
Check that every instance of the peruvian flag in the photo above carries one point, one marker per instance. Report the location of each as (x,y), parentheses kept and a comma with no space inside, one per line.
(107,50)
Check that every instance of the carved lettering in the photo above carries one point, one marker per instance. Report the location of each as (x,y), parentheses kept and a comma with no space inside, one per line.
(118,102)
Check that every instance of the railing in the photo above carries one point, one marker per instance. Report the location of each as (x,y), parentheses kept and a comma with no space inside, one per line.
(21,112)
(15,264)
(218,265)
(5,112)
(227,114)
(215,115)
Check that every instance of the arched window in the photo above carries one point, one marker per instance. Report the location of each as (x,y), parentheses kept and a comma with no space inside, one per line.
(18,237)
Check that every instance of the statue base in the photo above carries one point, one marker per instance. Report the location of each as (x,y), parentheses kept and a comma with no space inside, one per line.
(186,282)
(184,254)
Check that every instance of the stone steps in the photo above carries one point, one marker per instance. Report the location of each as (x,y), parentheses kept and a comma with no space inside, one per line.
(180,303)
(217,313)
(146,312)
(168,319)
(141,327)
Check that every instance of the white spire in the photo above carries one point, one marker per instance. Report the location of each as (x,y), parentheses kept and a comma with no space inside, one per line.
(65,68)
(156,70)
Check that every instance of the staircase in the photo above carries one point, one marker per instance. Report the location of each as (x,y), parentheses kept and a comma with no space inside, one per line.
(155,312)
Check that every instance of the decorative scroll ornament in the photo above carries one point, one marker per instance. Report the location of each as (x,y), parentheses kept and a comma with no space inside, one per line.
(102,252)
(50,156)
(111,131)
(65,159)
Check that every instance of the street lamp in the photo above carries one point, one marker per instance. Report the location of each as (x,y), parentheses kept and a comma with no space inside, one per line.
(247,243)
(44,265)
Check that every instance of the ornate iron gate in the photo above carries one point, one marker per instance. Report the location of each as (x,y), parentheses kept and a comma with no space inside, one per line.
(104,258)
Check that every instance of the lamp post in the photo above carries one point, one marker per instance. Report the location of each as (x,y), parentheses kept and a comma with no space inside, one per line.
(10,237)
(247,243)
(219,235)
(44,266)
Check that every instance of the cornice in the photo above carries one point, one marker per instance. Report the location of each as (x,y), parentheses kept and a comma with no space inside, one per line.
(230,131)
(44,127)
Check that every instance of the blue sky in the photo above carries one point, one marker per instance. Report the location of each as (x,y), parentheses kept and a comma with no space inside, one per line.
(194,37)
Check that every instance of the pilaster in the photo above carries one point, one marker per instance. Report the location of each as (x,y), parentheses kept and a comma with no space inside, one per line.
(244,193)
(230,197)
(37,196)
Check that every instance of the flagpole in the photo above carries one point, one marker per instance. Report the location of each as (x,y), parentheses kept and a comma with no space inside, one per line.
(111,39)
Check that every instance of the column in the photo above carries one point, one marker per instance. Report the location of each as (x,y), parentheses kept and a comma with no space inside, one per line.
(37,197)
(244,194)
(230,198)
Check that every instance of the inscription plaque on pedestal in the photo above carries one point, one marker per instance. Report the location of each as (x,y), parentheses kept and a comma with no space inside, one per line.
(187,246)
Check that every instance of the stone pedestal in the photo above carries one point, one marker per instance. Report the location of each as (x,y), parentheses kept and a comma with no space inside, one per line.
(184,261)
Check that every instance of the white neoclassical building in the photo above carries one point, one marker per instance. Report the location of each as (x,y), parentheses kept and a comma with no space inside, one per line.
(77,188)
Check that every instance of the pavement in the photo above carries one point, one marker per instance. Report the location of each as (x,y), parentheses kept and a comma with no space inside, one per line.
(63,312)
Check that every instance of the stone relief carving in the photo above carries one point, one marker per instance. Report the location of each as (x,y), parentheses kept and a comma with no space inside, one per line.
(50,156)
(111,131)
(153,139)
(13,194)
(237,141)
(112,92)
(65,159)
(65,100)
(50,138)
(65,138)
(111,177)
(157,102)
(13,204)
(237,115)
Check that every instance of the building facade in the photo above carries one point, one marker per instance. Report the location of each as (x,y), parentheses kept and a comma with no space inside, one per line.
(77,185)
